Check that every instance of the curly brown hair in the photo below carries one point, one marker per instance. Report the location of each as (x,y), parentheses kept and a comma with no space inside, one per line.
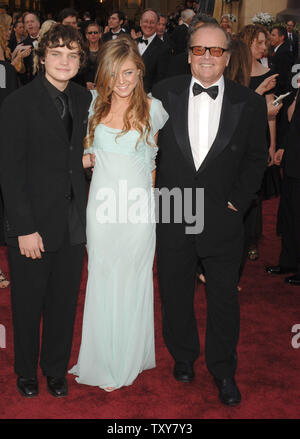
(59,35)
(250,32)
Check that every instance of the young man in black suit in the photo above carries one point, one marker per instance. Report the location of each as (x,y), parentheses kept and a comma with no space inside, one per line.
(154,52)
(44,189)
(214,139)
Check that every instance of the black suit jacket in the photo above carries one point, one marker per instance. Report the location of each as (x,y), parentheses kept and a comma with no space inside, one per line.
(179,38)
(155,58)
(38,163)
(232,170)
(281,62)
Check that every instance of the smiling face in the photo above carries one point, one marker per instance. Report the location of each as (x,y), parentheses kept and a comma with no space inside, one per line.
(61,64)
(148,23)
(258,46)
(208,69)
(127,79)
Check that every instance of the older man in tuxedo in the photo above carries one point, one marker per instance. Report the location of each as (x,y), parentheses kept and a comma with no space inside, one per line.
(154,52)
(214,139)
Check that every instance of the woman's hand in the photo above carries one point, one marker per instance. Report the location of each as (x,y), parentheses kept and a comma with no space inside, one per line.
(273,110)
(90,85)
(271,155)
(267,84)
(88,161)
(278,156)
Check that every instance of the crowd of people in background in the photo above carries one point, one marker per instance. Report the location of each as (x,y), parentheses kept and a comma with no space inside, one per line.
(261,59)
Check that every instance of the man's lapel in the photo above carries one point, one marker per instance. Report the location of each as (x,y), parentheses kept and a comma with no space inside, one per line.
(179,104)
(231,111)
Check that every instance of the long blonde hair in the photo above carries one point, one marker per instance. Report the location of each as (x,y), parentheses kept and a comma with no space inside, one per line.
(4,42)
(137,116)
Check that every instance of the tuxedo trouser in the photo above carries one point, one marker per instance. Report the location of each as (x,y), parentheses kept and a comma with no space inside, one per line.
(177,274)
(290,223)
(44,289)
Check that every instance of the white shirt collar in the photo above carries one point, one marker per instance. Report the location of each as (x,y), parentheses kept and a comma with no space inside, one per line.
(276,48)
(150,39)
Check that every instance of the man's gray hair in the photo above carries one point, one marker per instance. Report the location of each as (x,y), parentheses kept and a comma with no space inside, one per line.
(186,14)
(209,26)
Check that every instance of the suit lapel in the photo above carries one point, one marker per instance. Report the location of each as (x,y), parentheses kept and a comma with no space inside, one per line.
(179,105)
(229,119)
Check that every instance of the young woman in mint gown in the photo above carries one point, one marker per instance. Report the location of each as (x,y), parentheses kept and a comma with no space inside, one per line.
(118,332)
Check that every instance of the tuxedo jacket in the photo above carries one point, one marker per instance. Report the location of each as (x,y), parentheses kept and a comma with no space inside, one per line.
(39,164)
(155,58)
(108,35)
(28,63)
(281,62)
(233,169)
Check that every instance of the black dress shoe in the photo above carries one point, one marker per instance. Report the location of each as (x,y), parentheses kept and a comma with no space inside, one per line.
(58,387)
(277,269)
(184,371)
(293,280)
(229,393)
(28,387)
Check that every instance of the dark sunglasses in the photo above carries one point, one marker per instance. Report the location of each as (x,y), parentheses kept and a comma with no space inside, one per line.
(95,32)
(214,51)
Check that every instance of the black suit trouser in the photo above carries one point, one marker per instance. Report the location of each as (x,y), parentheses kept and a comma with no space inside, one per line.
(290,223)
(177,268)
(44,289)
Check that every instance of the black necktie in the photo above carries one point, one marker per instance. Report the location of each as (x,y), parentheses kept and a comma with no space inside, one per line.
(143,41)
(65,113)
(211,91)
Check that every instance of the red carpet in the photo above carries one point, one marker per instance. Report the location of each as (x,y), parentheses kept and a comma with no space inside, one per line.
(268,370)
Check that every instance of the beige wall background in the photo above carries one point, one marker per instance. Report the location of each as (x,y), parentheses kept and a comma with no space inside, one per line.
(249,8)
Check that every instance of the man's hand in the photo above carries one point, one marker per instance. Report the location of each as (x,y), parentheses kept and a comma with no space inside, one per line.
(88,161)
(31,246)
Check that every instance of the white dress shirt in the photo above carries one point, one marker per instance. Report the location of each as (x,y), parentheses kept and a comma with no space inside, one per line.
(203,120)
(143,47)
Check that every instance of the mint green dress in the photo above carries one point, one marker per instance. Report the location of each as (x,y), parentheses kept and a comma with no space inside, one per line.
(118,331)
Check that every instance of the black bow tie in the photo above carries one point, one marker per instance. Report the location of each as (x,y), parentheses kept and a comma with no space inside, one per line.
(211,91)
(143,41)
